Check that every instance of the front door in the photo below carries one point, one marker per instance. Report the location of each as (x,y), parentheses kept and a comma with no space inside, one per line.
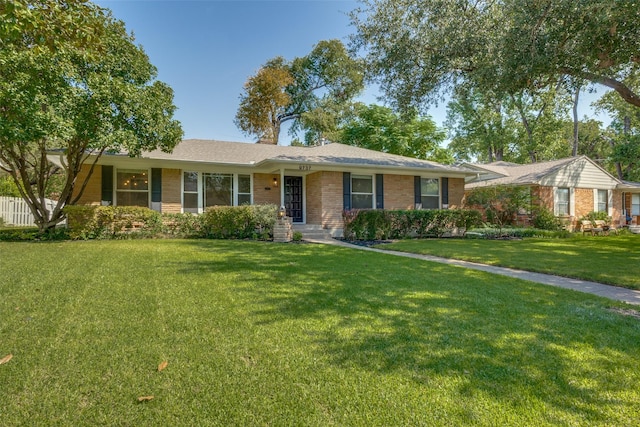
(293,197)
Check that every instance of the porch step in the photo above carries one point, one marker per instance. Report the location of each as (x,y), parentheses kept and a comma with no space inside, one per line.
(316,232)
(634,229)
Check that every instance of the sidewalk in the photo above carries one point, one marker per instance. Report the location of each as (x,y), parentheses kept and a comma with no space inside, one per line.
(612,292)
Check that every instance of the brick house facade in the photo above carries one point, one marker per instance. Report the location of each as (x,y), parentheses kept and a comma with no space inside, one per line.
(315,184)
(571,188)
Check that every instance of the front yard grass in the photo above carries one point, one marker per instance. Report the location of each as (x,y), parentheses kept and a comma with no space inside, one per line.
(614,260)
(259,333)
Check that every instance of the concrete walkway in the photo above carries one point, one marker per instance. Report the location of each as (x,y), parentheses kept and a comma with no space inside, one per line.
(612,292)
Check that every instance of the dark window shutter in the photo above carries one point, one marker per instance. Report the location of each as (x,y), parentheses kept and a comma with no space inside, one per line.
(379,191)
(346,191)
(107,184)
(445,191)
(417,190)
(156,185)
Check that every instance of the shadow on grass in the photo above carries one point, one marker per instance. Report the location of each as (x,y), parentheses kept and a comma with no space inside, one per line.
(514,341)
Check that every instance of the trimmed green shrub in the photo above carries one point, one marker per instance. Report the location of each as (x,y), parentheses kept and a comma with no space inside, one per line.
(109,222)
(239,222)
(182,225)
(400,224)
(544,219)
(220,222)
(22,234)
(517,233)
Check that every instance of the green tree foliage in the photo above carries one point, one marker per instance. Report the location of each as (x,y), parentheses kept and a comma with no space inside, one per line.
(265,101)
(624,135)
(379,128)
(308,91)
(501,203)
(526,127)
(419,49)
(73,81)
(479,127)
(8,186)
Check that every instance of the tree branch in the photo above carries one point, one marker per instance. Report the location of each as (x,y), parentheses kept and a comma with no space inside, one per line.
(623,90)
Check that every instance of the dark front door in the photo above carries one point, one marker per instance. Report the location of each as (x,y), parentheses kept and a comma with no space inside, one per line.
(293,197)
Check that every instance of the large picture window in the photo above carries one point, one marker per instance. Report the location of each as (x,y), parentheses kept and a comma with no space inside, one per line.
(202,190)
(217,189)
(562,202)
(430,193)
(361,192)
(132,188)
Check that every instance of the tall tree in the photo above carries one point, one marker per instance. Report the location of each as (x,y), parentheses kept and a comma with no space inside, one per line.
(624,132)
(525,127)
(418,49)
(265,101)
(479,127)
(379,128)
(73,81)
(328,77)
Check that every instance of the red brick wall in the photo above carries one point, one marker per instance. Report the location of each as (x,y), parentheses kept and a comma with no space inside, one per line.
(171,191)
(583,202)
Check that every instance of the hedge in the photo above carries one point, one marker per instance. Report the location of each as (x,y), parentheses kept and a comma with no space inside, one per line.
(220,222)
(400,224)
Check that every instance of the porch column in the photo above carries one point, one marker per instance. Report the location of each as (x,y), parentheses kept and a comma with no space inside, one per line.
(281,187)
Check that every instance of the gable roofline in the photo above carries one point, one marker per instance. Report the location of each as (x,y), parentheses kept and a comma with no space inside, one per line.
(531,174)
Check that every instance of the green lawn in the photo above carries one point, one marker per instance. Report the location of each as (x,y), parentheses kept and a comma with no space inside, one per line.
(613,260)
(286,334)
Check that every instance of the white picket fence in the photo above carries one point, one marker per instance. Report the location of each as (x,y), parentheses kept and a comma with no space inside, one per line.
(15,211)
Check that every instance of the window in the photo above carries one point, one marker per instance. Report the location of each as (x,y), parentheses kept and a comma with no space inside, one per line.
(361,192)
(602,201)
(218,189)
(190,192)
(132,188)
(430,193)
(244,190)
(635,204)
(562,202)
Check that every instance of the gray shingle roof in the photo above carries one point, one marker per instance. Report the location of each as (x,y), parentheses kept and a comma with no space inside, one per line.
(515,174)
(246,154)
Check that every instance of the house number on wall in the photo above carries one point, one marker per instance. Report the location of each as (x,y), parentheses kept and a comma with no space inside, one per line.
(304,167)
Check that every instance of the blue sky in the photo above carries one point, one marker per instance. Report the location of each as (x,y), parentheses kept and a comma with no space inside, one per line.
(205,50)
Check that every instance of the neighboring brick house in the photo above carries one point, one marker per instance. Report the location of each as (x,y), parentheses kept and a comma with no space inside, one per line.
(315,184)
(571,187)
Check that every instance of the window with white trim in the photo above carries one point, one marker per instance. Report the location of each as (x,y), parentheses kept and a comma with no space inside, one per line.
(602,201)
(244,190)
(635,204)
(430,193)
(132,187)
(217,189)
(361,192)
(562,202)
(190,192)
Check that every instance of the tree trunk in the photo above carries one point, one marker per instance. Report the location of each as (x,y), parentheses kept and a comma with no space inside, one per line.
(574,152)
(618,165)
